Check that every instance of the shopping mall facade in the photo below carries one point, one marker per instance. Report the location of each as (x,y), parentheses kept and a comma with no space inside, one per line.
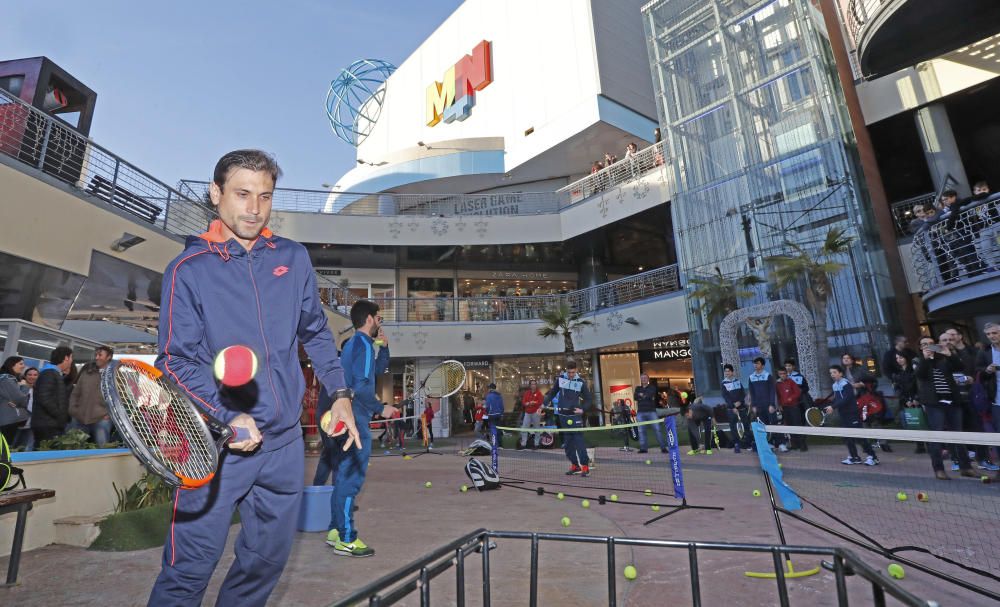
(475,205)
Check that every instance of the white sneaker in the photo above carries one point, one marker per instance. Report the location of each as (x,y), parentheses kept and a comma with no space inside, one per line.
(783,448)
(850,461)
(871,461)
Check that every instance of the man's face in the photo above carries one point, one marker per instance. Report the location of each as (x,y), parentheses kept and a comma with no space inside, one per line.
(244,203)
(947,201)
(31,377)
(533,386)
(374,324)
(101,358)
(926,342)
(835,374)
(901,344)
(644,379)
(980,189)
(846,360)
(993,334)
(918,211)
(571,373)
(789,368)
(930,214)
(944,340)
(954,337)
(782,374)
(728,373)
(758,366)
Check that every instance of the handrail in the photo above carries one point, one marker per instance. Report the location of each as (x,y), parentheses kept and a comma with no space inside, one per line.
(652,283)
(858,14)
(956,249)
(50,145)
(624,171)
(902,212)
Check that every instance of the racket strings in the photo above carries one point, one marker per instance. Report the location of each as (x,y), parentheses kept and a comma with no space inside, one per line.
(165,423)
(445,379)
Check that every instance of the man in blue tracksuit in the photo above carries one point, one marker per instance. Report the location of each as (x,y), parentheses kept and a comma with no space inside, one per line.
(361,366)
(736,406)
(572,400)
(240,284)
(761,394)
(494,411)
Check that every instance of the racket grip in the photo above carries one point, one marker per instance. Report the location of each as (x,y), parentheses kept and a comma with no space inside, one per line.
(239,434)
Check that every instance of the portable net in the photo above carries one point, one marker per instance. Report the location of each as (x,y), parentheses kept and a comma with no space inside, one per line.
(898,508)
(615,462)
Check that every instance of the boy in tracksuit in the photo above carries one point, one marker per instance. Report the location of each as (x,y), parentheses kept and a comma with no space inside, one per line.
(494,411)
(361,366)
(736,406)
(846,405)
(790,400)
(573,401)
(761,396)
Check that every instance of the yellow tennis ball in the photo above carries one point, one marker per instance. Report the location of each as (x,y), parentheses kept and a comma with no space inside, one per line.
(569,422)
(427,484)
(648,492)
(464,488)
(614,497)
(984,479)
(649,462)
(901,496)
(756,492)
(630,572)
(235,366)
(560,496)
(655,507)
(565,521)
(407,457)
(896,571)
(585,503)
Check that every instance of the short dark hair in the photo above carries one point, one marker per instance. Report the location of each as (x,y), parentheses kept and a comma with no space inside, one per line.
(8,364)
(60,354)
(791,361)
(492,386)
(853,358)
(981,184)
(782,370)
(929,207)
(727,367)
(106,349)
(361,310)
(899,338)
(759,359)
(570,364)
(949,193)
(253,160)
(838,367)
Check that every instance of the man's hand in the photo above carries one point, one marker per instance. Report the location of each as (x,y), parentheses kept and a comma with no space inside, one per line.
(380,336)
(245,421)
(578,411)
(388,411)
(341,411)
(829,410)
(928,354)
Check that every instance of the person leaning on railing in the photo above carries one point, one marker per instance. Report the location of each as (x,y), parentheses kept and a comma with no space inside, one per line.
(958,233)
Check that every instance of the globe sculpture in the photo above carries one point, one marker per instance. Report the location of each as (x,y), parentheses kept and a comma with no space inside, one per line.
(354,101)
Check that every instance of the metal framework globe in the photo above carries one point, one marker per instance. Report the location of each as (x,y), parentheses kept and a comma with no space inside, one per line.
(354,101)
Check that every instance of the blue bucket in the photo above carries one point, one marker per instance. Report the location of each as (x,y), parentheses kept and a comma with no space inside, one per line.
(314,513)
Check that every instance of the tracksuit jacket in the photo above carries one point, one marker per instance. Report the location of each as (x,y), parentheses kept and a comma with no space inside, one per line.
(567,395)
(733,392)
(761,391)
(217,294)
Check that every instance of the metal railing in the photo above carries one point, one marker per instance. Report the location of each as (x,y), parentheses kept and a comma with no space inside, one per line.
(492,309)
(902,212)
(53,147)
(859,13)
(622,172)
(418,575)
(958,247)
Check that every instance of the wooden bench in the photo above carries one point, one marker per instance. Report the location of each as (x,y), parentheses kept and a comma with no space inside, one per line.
(123,199)
(19,501)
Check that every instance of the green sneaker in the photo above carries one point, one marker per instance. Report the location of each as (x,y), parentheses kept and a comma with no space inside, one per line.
(357,548)
(333,538)
(708,452)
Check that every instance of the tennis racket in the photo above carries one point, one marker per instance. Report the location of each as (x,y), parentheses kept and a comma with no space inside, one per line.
(442,381)
(816,417)
(165,431)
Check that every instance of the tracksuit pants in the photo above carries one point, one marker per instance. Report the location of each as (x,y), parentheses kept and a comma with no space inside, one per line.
(661,433)
(349,476)
(531,420)
(576,448)
(266,487)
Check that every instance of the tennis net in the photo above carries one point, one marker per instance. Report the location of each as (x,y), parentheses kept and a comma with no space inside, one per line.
(894,504)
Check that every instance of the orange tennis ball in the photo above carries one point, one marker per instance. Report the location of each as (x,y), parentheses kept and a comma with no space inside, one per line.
(235,366)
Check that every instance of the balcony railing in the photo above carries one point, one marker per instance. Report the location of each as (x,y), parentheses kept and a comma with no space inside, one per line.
(491,309)
(954,249)
(858,13)
(902,212)
(53,147)
(454,205)
(620,173)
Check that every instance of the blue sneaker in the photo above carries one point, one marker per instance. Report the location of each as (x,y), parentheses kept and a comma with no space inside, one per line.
(986,465)
(954,466)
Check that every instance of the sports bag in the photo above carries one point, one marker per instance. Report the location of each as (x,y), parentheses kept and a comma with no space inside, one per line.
(482,475)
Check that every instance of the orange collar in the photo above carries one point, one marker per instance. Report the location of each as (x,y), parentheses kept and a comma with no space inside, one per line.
(214,233)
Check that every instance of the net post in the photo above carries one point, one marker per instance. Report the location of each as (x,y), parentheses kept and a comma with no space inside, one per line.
(533,596)
(612,591)
(460,576)
(779,575)
(841,580)
(425,588)
(695,581)
(485,541)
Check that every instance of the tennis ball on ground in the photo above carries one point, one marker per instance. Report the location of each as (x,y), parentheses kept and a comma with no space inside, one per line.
(585,503)
(655,507)
(896,571)
(779,465)
(922,497)
(901,496)
(464,488)
(756,492)
(407,457)
(235,366)
(630,572)
(614,497)
(649,462)
(427,484)
(648,492)
(565,521)
(984,479)
(560,496)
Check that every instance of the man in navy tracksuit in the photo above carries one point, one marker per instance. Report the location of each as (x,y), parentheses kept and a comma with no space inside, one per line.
(240,284)
(494,412)
(361,366)
(761,395)
(573,401)
(736,406)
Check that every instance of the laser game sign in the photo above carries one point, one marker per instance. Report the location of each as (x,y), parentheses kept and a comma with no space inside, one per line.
(452,98)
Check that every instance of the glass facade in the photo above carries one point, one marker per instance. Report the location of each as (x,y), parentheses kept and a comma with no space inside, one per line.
(764,155)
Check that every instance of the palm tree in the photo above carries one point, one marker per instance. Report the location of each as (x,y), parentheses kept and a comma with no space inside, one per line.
(720,295)
(815,270)
(561,320)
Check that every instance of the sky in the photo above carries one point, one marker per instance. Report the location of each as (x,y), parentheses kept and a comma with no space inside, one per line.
(181,82)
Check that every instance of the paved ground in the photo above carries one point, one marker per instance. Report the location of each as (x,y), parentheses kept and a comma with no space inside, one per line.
(403,520)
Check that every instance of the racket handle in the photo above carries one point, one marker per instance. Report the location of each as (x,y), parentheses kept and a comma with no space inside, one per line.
(340,426)
(239,434)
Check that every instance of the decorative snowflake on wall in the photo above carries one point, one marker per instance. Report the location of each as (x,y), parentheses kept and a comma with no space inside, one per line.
(395,227)
(439,226)
(615,320)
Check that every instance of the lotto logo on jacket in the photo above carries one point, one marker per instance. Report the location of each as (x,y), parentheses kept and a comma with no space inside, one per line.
(452,98)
